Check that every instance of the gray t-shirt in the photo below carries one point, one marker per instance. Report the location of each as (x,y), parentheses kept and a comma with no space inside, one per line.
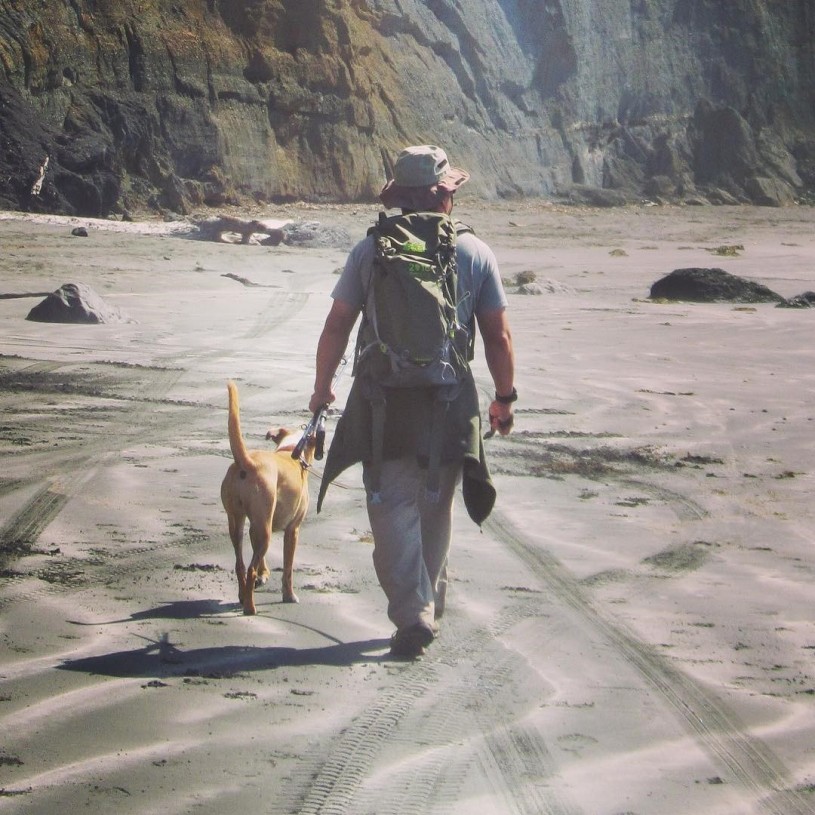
(479,282)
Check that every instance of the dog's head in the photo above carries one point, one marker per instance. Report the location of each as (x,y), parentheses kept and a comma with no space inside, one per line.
(286,440)
(279,435)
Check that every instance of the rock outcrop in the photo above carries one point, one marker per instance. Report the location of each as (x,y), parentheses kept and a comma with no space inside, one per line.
(700,285)
(76,303)
(175,104)
(804,300)
(697,285)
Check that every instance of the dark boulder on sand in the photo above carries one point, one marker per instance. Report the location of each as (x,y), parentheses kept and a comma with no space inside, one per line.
(76,303)
(805,300)
(697,285)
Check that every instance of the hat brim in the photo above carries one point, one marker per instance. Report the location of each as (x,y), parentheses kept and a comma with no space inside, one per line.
(395,196)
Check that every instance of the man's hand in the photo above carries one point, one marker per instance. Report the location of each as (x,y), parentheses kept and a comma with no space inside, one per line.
(319,400)
(501,418)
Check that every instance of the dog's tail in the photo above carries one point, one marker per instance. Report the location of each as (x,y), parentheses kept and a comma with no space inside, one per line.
(236,445)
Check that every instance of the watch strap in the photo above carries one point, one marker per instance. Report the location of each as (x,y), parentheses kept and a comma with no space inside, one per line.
(509,399)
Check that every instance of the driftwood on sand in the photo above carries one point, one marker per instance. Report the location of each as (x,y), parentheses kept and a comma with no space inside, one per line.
(215,229)
(305,234)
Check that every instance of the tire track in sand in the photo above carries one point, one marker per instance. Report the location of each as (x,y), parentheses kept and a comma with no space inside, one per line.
(20,534)
(139,391)
(716,729)
(63,473)
(434,713)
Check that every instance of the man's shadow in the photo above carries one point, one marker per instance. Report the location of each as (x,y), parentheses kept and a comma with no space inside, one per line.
(161,659)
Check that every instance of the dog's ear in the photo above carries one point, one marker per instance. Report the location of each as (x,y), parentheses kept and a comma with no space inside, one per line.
(276,434)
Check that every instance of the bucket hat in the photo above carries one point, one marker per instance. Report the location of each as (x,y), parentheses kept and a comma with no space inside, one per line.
(421,172)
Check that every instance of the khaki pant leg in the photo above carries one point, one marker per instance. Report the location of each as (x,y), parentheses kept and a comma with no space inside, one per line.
(437,534)
(411,540)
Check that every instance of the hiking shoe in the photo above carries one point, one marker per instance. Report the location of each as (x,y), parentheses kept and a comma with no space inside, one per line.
(410,642)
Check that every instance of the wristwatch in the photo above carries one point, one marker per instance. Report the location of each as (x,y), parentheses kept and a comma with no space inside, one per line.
(507,400)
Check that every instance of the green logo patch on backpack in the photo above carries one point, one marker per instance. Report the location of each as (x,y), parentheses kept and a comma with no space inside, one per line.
(410,335)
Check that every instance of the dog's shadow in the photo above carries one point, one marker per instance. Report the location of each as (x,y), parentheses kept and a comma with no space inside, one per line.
(161,659)
(178,610)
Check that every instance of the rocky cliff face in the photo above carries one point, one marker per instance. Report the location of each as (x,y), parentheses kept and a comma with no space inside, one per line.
(179,103)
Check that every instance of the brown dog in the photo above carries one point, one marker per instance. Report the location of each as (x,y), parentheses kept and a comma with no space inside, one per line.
(269,488)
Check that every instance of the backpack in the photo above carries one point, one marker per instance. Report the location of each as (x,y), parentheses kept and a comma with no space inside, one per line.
(410,335)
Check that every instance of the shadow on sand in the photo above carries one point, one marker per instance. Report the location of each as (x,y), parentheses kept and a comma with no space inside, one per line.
(178,610)
(161,659)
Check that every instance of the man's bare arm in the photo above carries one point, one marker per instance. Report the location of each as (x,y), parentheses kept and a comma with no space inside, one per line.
(500,355)
(330,349)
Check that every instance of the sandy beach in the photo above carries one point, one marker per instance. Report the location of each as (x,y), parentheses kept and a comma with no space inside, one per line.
(630,633)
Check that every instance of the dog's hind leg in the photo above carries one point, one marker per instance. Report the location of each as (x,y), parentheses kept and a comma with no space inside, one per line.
(263,573)
(260,535)
(290,538)
(236,525)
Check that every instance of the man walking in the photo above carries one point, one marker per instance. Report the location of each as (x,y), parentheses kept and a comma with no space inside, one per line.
(411,524)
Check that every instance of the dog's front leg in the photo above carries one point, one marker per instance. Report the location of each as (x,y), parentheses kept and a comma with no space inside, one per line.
(290,537)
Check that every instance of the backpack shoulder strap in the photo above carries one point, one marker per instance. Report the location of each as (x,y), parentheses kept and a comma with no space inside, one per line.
(462,228)
(380,225)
